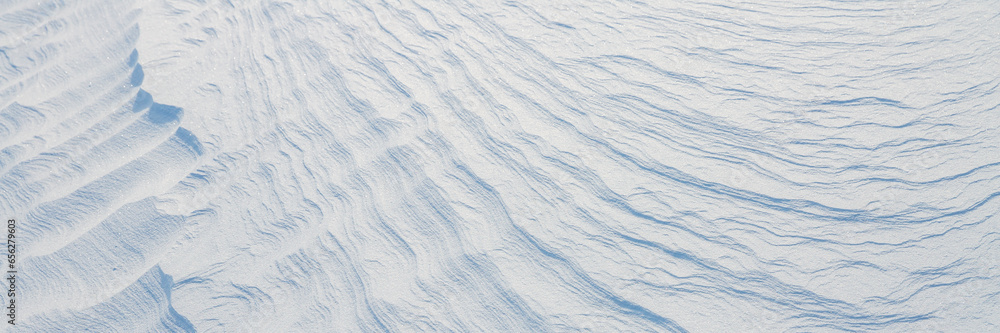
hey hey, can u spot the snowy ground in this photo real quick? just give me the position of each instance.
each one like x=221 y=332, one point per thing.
x=525 y=166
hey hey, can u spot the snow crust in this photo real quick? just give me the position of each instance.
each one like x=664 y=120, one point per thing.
x=502 y=166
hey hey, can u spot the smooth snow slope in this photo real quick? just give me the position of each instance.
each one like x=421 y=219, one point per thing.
x=526 y=166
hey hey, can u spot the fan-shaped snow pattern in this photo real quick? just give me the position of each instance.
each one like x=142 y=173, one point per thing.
x=450 y=165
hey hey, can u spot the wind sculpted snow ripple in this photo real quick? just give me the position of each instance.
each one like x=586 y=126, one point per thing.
x=511 y=166
x=84 y=150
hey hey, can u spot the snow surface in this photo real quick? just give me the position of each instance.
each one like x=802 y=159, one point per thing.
x=524 y=166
